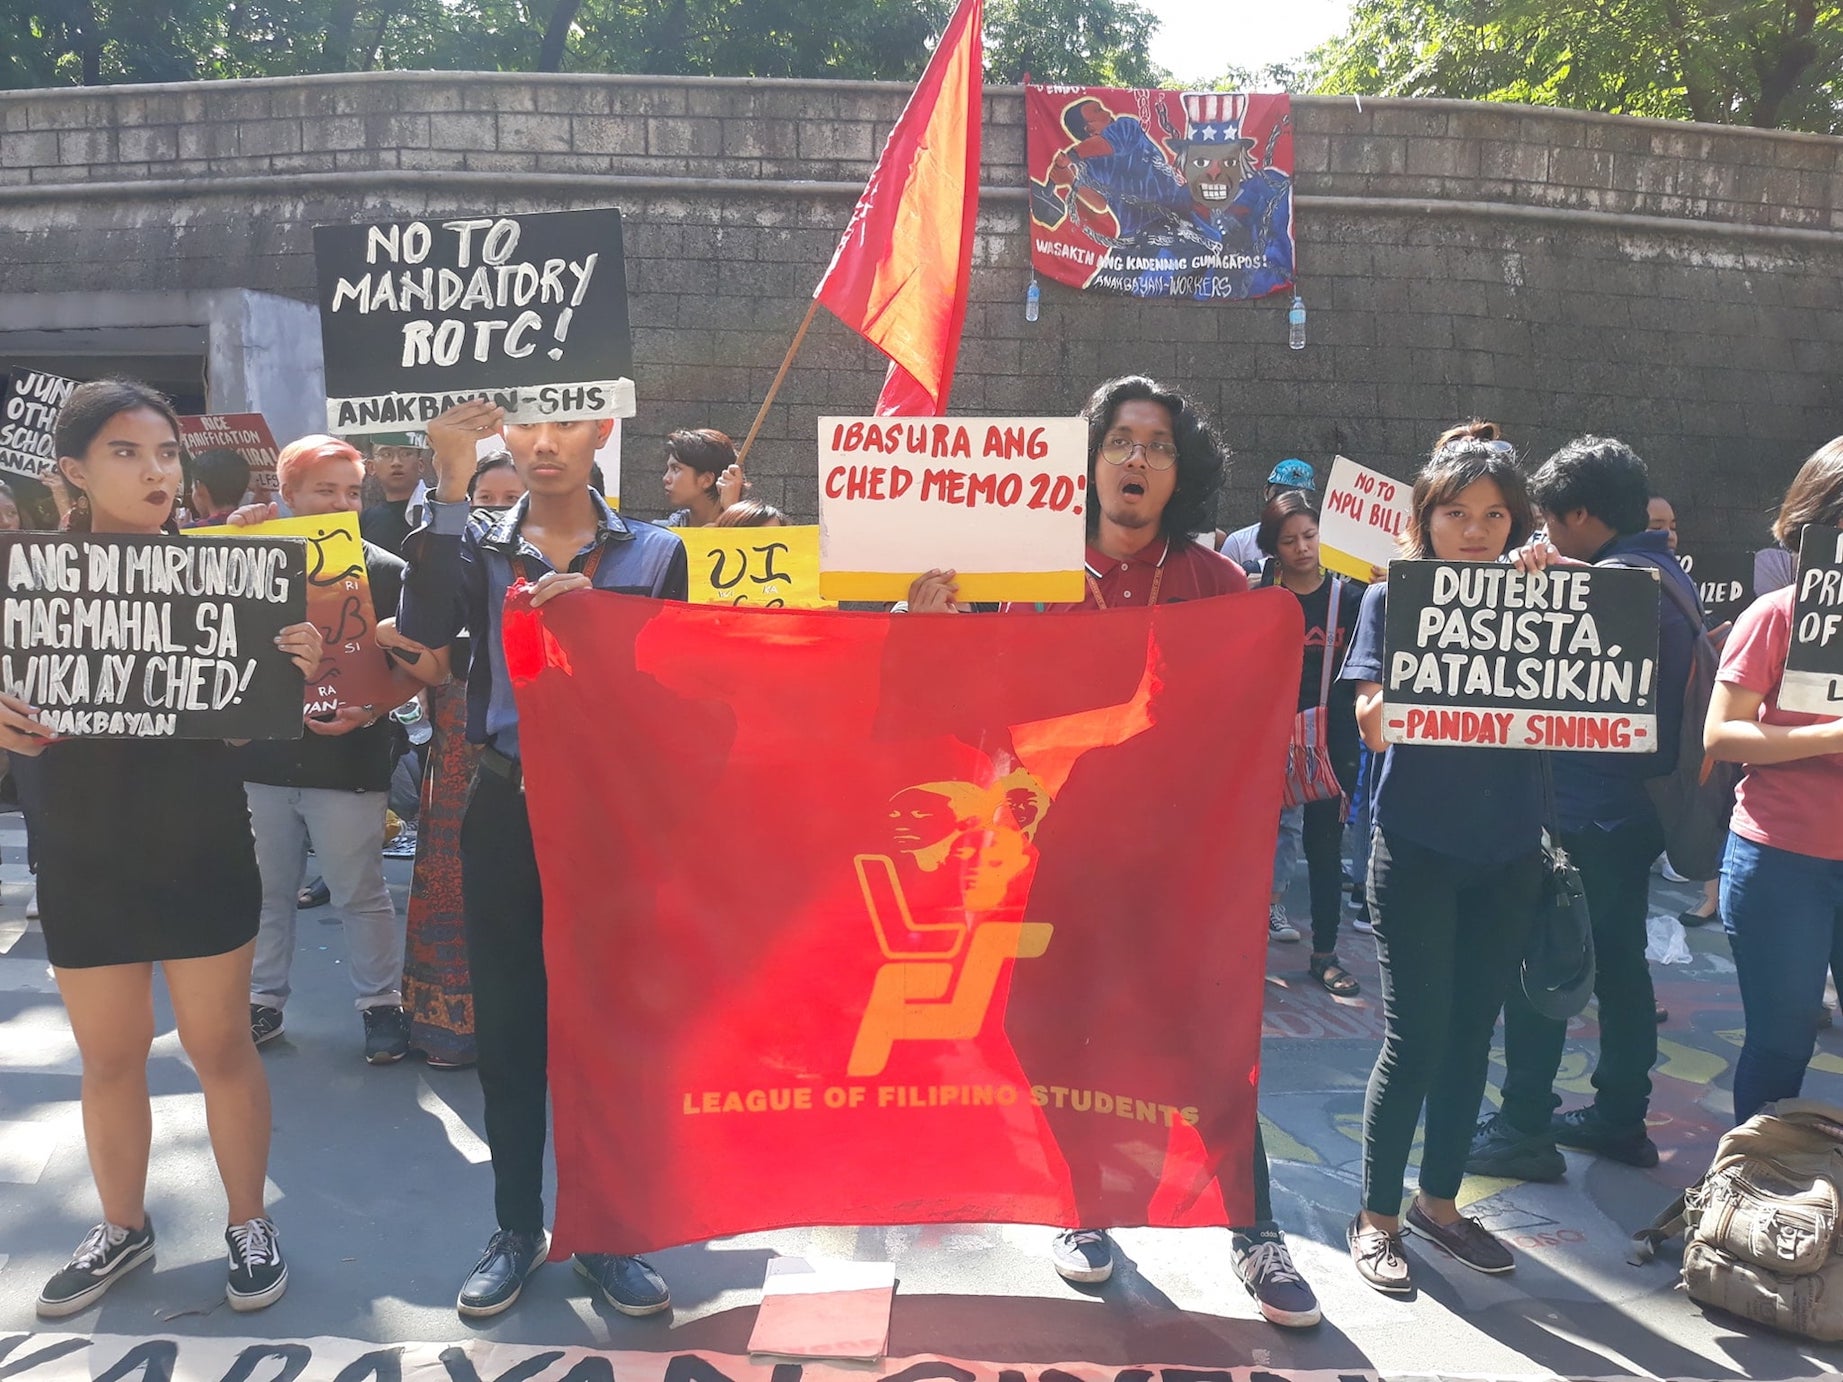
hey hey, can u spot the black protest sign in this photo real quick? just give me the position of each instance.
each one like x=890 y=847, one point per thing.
x=1482 y=654
x=27 y=416
x=1813 y=680
x=530 y=311
x=1724 y=580
x=117 y=637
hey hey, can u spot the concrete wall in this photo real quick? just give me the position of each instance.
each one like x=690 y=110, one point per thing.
x=1678 y=285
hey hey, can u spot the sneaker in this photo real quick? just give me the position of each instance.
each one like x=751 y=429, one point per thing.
x=629 y=1284
x=32 y=904
x=265 y=1023
x=1464 y=1239
x=1083 y=1255
x=402 y=845
x=106 y=1255
x=1503 y=1150
x=1663 y=867
x=500 y=1274
x=1266 y=1269
x=1361 y=922
x=387 y=1035
x=258 y=1276
x=1278 y=927
x=1585 y=1130
x=1378 y=1258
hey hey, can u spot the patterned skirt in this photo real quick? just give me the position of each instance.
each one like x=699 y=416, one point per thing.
x=437 y=991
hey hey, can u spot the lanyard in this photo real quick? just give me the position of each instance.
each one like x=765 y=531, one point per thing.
x=1100 y=602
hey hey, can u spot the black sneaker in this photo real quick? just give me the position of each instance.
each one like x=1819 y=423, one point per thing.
x=629 y=1284
x=1266 y=1269
x=258 y=1276
x=265 y=1023
x=1586 y=1130
x=500 y=1274
x=106 y=1255
x=387 y=1035
x=1083 y=1255
x=1503 y=1150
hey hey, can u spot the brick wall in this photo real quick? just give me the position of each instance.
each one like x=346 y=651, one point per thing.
x=1456 y=258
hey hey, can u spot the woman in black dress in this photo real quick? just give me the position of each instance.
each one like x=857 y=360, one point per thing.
x=145 y=857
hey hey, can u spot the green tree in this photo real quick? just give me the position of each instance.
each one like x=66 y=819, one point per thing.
x=1777 y=64
x=65 y=42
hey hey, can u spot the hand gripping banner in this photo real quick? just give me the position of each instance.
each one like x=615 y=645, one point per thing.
x=887 y=919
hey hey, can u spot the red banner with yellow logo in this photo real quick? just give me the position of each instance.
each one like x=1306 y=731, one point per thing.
x=888 y=919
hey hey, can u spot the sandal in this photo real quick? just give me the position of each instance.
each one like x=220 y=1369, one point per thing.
x=1338 y=981
x=315 y=894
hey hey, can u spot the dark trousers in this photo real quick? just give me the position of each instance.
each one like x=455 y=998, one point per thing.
x=29 y=780
x=1615 y=870
x=1449 y=935
x=1323 y=834
x=503 y=905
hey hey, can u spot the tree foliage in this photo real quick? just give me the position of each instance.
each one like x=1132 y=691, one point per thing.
x=1777 y=64
x=67 y=42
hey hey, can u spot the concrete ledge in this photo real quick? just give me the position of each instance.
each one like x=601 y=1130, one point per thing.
x=583 y=185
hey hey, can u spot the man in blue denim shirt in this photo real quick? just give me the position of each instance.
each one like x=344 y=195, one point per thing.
x=1593 y=494
x=561 y=537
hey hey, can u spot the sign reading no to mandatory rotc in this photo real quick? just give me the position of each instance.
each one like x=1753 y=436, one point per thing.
x=1478 y=653
x=529 y=311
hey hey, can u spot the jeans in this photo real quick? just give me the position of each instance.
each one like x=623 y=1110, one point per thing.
x=1449 y=935
x=503 y=903
x=1783 y=913
x=1615 y=869
x=347 y=830
x=1317 y=823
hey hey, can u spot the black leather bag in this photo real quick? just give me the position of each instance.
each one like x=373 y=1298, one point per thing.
x=1558 y=958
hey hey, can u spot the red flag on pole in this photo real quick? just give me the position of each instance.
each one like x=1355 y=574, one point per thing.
x=881 y=919
x=903 y=267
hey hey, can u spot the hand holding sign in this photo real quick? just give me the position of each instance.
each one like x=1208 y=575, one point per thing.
x=455 y=437
x=21 y=731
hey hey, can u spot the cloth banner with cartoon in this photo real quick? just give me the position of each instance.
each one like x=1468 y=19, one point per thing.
x=892 y=919
x=1161 y=194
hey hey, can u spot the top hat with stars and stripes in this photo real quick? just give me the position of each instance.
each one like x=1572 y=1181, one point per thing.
x=1215 y=118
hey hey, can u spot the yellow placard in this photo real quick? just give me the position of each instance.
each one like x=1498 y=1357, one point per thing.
x=1021 y=587
x=1357 y=568
x=770 y=568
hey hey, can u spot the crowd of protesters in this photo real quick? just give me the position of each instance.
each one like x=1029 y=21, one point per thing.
x=1449 y=843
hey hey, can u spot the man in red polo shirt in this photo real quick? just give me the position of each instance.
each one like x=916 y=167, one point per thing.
x=1154 y=469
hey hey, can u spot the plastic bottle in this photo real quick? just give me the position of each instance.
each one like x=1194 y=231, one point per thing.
x=1295 y=323
x=1032 y=296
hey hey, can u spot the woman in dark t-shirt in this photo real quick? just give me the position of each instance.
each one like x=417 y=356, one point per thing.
x=1455 y=872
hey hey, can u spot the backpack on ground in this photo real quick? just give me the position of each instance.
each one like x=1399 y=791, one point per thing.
x=1693 y=800
x=1760 y=1228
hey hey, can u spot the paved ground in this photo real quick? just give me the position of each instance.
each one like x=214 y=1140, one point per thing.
x=382 y=1190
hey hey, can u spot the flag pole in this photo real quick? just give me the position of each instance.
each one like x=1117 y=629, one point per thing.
x=787 y=360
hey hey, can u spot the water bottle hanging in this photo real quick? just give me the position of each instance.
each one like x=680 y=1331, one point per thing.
x=1032 y=295
x=1295 y=323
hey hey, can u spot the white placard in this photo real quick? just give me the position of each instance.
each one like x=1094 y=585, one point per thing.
x=999 y=500
x=1363 y=513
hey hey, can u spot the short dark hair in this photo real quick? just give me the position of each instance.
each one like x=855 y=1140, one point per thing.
x=1454 y=468
x=1273 y=518
x=1601 y=475
x=1201 y=458
x=704 y=449
x=1071 y=117
x=1815 y=495
x=486 y=465
x=224 y=474
x=749 y=513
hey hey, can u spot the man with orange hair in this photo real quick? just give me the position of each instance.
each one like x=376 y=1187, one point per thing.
x=330 y=786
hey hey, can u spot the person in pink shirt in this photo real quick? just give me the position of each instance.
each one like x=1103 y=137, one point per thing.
x=1782 y=875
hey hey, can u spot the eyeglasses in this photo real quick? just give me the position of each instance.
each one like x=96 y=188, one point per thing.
x=1160 y=455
